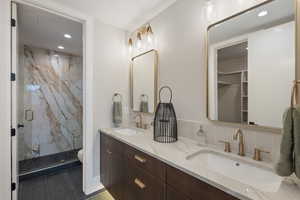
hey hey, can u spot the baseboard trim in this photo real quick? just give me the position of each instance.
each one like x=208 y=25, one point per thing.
x=94 y=187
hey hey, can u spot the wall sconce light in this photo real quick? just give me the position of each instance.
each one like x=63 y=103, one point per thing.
x=141 y=40
x=150 y=35
x=130 y=45
x=138 y=40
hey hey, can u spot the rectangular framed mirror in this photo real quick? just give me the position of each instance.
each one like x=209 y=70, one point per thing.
x=144 y=75
x=251 y=65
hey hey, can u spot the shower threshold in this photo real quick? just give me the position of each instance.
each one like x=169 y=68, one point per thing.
x=47 y=164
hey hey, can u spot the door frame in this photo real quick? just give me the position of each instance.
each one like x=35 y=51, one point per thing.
x=212 y=93
x=90 y=183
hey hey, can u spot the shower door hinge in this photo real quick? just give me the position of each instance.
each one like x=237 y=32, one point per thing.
x=13 y=132
x=12 y=76
x=13 y=186
x=13 y=22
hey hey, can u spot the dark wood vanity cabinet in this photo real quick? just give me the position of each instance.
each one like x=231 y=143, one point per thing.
x=129 y=174
x=140 y=185
x=112 y=168
x=173 y=194
x=193 y=188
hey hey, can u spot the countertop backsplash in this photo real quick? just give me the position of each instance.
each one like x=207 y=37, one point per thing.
x=253 y=139
x=268 y=141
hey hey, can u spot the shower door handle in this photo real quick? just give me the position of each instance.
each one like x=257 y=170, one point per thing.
x=29 y=115
x=20 y=125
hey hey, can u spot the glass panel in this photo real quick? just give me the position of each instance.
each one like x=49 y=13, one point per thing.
x=49 y=90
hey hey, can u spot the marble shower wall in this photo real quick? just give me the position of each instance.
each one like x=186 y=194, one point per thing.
x=52 y=84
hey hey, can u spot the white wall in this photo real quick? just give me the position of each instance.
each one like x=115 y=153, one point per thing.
x=180 y=43
x=270 y=80
x=180 y=32
x=109 y=69
x=5 y=167
x=111 y=75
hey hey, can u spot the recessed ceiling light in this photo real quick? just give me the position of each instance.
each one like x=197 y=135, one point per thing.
x=61 y=47
x=67 y=36
x=263 y=13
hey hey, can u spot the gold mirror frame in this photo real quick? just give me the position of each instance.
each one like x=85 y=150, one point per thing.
x=297 y=45
x=155 y=79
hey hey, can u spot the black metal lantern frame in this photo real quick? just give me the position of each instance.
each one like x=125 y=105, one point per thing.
x=165 y=121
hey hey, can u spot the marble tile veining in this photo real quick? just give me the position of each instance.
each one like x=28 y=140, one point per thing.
x=52 y=87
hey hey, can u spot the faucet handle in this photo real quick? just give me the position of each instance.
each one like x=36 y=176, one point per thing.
x=257 y=154
x=227 y=146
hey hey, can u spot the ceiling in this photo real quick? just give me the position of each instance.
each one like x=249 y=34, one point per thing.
x=279 y=11
x=124 y=14
x=42 y=29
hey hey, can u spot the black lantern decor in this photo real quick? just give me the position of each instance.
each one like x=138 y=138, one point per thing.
x=165 y=121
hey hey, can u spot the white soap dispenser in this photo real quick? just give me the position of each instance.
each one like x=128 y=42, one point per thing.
x=202 y=137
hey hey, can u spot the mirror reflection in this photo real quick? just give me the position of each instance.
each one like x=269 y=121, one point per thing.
x=144 y=82
x=251 y=65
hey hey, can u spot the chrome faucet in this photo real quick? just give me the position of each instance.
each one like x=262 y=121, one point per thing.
x=238 y=135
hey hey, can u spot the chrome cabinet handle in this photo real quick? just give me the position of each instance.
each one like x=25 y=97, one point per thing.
x=29 y=115
x=139 y=183
x=140 y=159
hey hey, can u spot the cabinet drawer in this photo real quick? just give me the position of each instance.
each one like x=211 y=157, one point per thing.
x=146 y=162
x=112 y=145
x=142 y=186
x=194 y=188
x=172 y=194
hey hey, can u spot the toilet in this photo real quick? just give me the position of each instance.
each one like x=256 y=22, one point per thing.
x=80 y=155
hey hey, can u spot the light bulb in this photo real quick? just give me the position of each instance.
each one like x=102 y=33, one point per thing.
x=150 y=38
x=67 y=36
x=139 y=41
x=130 y=44
x=263 y=13
x=139 y=44
x=150 y=34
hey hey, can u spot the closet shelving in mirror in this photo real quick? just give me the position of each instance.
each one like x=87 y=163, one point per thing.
x=223 y=83
x=229 y=73
x=244 y=96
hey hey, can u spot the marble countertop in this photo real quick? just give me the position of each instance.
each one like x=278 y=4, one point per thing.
x=175 y=155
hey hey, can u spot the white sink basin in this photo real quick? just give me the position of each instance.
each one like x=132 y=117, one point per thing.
x=126 y=131
x=257 y=177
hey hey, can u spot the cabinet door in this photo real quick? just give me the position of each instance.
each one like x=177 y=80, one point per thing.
x=117 y=177
x=194 y=188
x=172 y=194
x=142 y=186
x=112 y=166
x=104 y=162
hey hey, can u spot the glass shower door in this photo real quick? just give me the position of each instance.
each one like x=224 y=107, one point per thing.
x=51 y=101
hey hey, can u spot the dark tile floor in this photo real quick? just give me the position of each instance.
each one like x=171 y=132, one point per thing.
x=62 y=185
x=46 y=161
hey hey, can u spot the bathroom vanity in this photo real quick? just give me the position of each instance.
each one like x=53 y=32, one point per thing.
x=134 y=167
x=130 y=174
